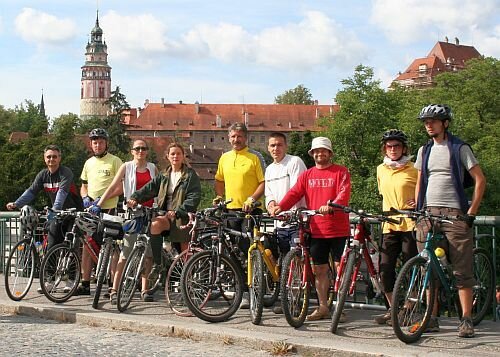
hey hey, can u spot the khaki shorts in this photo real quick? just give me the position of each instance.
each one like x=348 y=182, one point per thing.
x=128 y=245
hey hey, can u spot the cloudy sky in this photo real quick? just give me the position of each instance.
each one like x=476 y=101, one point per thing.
x=226 y=51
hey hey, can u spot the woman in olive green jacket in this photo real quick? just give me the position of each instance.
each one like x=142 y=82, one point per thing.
x=178 y=190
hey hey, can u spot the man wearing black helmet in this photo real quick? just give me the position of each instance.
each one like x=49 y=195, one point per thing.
x=443 y=164
x=396 y=179
x=97 y=174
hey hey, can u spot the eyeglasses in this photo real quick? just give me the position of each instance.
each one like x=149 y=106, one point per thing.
x=51 y=156
x=395 y=146
x=140 y=148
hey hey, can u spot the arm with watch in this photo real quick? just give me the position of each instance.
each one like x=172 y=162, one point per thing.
x=248 y=204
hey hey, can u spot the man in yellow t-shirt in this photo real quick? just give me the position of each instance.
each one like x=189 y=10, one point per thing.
x=240 y=177
x=97 y=174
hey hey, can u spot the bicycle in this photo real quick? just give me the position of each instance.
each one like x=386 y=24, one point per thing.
x=357 y=250
x=111 y=229
x=414 y=291
x=24 y=260
x=263 y=271
x=200 y=240
x=297 y=276
x=130 y=279
x=212 y=280
x=61 y=264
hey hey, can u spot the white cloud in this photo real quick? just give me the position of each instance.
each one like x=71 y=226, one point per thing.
x=42 y=28
x=487 y=44
x=315 y=41
x=407 y=21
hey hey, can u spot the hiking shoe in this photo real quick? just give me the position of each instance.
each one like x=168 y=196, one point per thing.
x=433 y=325
x=155 y=271
x=466 y=328
x=382 y=319
x=278 y=310
x=245 y=302
x=318 y=315
x=147 y=297
x=82 y=290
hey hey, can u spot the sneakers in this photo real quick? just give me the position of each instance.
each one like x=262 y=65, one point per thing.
x=278 y=310
x=433 y=325
x=318 y=315
x=245 y=302
x=466 y=328
x=50 y=286
x=82 y=290
x=146 y=297
x=382 y=319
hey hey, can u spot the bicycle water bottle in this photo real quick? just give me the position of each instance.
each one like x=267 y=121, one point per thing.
x=441 y=255
x=39 y=247
x=270 y=255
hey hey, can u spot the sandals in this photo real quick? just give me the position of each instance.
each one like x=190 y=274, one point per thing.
x=112 y=297
x=146 y=296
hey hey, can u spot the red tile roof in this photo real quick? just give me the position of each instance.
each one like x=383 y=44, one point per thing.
x=216 y=117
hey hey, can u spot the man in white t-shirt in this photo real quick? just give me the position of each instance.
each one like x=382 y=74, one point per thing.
x=280 y=176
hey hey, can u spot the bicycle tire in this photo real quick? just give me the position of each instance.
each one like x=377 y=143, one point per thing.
x=346 y=279
x=410 y=314
x=211 y=297
x=272 y=288
x=60 y=264
x=294 y=292
x=331 y=279
x=20 y=270
x=482 y=291
x=173 y=292
x=257 y=289
x=130 y=278
x=102 y=270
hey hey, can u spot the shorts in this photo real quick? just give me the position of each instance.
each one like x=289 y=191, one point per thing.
x=320 y=249
x=128 y=245
x=459 y=244
x=286 y=237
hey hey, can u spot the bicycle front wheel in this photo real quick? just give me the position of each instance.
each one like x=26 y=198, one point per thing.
x=130 y=279
x=173 y=284
x=412 y=300
x=60 y=273
x=345 y=284
x=257 y=289
x=483 y=289
x=211 y=291
x=20 y=270
x=294 y=291
x=102 y=270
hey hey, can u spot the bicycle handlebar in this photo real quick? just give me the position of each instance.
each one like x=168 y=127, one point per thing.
x=363 y=214
x=426 y=214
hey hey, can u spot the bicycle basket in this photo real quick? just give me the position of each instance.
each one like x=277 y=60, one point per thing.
x=87 y=222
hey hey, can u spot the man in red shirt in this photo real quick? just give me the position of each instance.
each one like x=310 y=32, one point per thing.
x=325 y=181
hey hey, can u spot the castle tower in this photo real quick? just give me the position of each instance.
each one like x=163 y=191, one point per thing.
x=96 y=76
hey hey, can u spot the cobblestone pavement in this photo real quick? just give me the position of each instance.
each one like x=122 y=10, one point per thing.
x=32 y=336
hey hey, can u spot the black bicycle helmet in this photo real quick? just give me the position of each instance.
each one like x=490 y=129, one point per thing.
x=436 y=111
x=395 y=134
x=98 y=133
x=87 y=222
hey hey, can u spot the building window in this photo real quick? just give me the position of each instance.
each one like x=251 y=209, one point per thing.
x=101 y=92
x=81 y=94
x=212 y=140
x=252 y=138
x=262 y=139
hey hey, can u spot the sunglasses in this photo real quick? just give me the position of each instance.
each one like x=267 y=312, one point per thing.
x=51 y=156
x=140 y=148
x=389 y=146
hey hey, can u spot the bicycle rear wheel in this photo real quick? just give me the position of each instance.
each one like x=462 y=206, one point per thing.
x=257 y=289
x=173 y=284
x=412 y=300
x=130 y=279
x=20 y=270
x=212 y=292
x=483 y=289
x=60 y=273
x=102 y=270
x=345 y=284
x=294 y=292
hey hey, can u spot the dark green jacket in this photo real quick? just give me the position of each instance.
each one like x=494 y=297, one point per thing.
x=186 y=196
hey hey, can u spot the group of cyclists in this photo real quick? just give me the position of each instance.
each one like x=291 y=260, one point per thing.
x=435 y=182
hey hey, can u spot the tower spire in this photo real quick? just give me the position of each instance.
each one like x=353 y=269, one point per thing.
x=42 y=106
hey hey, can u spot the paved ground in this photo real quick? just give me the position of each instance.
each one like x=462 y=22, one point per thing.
x=360 y=336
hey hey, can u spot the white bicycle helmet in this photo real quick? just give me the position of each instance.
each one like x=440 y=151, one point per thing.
x=87 y=223
x=28 y=218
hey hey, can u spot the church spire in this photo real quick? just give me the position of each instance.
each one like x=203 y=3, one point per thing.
x=41 y=107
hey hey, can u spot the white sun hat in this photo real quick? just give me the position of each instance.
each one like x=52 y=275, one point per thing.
x=320 y=143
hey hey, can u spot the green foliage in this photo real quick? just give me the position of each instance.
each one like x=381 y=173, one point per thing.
x=297 y=95
x=29 y=119
x=299 y=146
x=207 y=194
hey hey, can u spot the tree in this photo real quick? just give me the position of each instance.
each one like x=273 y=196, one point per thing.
x=300 y=146
x=119 y=142
x=29 y=119
x=298 y=95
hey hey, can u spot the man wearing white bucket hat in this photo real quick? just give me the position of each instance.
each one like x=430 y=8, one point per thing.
x=325 y=181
